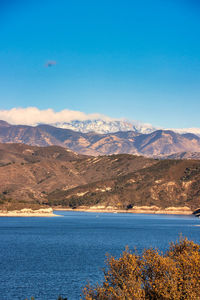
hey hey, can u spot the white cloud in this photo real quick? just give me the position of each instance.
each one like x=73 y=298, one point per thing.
x=33 y=116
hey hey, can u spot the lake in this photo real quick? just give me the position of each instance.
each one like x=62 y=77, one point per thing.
x=47 y=257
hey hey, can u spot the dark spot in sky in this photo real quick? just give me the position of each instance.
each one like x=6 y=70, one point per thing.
x=50 y=63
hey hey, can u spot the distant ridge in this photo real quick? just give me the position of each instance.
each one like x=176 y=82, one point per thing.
x=184 y=155
x=4 y=124
x=103 y=126
x=158 y=143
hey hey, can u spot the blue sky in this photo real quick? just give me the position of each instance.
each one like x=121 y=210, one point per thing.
x=138 y=60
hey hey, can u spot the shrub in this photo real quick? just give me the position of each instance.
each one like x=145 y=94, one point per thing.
x=174 y=275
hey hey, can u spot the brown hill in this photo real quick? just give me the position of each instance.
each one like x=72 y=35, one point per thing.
x=166 y=183
x=29 y=173
x=159 y=143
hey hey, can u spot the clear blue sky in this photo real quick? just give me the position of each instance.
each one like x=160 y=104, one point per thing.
x=123 y=58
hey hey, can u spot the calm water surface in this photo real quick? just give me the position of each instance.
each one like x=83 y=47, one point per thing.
x=47 y=257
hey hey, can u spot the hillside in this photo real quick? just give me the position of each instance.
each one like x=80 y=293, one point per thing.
x=56 y=176
x=29 y=173
x=166 y=183
x=158 y=143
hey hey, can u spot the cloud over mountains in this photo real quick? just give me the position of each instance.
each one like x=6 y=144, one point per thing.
x=80 y=121
x=33 y=116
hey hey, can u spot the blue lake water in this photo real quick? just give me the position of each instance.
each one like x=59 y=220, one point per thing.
x=47 y=257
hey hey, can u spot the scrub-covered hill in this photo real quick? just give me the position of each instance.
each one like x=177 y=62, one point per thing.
x=28 y=174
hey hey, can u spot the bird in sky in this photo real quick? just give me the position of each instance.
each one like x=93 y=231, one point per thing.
x=50 y=63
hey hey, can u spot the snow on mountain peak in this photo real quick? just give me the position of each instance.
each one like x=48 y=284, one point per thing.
x=105 y=126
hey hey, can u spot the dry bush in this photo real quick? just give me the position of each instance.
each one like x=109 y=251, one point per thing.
x=174 y=275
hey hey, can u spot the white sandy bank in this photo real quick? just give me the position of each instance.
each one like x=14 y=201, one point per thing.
x=28 y=212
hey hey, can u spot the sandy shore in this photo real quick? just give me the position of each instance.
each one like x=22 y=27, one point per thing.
x=135 y=210
x=26 y=212
x=48 y=212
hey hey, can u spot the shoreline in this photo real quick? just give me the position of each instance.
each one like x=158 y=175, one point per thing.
x=27 y=212
x=135 y=210
x=51 y=212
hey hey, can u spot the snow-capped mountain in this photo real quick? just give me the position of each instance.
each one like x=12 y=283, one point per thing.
x=109 y=126
x=195 y=131
x=81 y=122
x=104 y=126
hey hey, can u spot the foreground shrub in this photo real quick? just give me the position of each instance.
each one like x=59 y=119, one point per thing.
x=174 y=275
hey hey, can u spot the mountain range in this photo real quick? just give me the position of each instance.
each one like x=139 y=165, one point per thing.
x=110 y=126
x=105 y=126
x=159 y=143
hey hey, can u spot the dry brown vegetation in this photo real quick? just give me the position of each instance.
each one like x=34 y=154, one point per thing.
x=55 y=176
x=166 y=183
x=29 y=174
x=174 y=275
